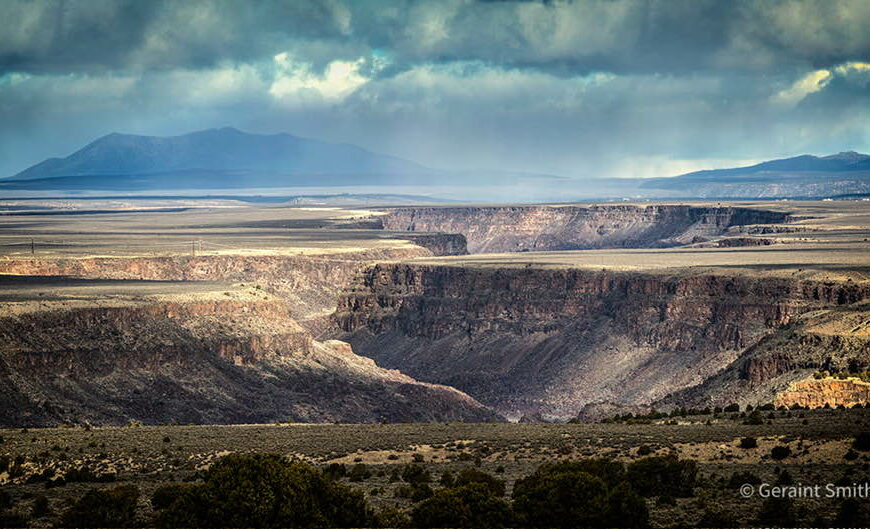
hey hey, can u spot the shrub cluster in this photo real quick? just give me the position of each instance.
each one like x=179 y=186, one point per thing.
x=271 y=491
x=260 y=491
x=586 y=493
x=104 y=508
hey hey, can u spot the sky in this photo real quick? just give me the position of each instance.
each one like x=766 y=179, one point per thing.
x=587 y=89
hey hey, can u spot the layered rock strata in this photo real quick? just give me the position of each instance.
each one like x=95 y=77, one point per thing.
x=538 y=228
x=197 y=361
x=531 y=340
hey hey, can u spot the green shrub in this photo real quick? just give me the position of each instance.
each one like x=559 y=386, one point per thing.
x=754 y=418
x=40 y=507
x=415 y=474
x=420 y=492
x=862 y=442
x=611 y=472
x=416 y=492
x=785 y=478
x=780 y=452
x=104 y=508
x=748 y=442
x=12 y=519
x=585 y=493
x=670 y=501
x=446 y=479
x=625 y=508
x=6 y=501
x=776 y=512
x=644 y=450
x=663 y=475
x=403 y=491
x=740 y=478
x=359 y=472
x=560 y=499
x=166 y=495
x=335 y=470
x=392 y=517
x=260 y=491
x=851 y=514
x=468 y=506
x=471 y=475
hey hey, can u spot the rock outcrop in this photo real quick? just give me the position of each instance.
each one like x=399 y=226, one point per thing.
x=819 y=393
x=836 y=340
x=198 y=360
x=538 y=228
x=310 y=284
x=531 y=340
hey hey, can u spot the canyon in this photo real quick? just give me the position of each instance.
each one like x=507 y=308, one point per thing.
x=204 y=354
x=471 y=313
x=550 y=341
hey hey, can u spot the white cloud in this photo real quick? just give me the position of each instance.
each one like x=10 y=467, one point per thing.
x=295 y=82
x=810 y=83
x=816 y=81
x=853 y=66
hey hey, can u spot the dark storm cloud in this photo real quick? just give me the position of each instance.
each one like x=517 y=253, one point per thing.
x=562 y=37
x=95 y=35
x=587 y=88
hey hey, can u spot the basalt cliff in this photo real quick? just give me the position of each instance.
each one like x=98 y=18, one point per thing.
x=224 y=357
x=220 y=339
x=537 y=228
x=527 y=340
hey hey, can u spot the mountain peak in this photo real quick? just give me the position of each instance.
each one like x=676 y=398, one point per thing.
x=847 y=156
x=225 y=156
x=225 y=130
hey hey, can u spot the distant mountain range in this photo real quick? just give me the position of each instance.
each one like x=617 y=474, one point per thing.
x=228 y=158
x=214 y=159
x=806 y=176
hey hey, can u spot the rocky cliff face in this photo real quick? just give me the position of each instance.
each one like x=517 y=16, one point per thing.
x=530 y=340
x=310 y=284
x=818 y=393
x=835 y=339
x=199 y=361
x=538 y=228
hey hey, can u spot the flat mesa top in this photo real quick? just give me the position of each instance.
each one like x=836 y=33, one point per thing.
x=830 y=241
x=824 y=262
x=129 y=228
x=827 y=241
x=27 y=294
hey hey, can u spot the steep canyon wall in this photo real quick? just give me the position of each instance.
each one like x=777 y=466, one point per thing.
x=532 y=340
x=199 y=362
x=539 y=228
